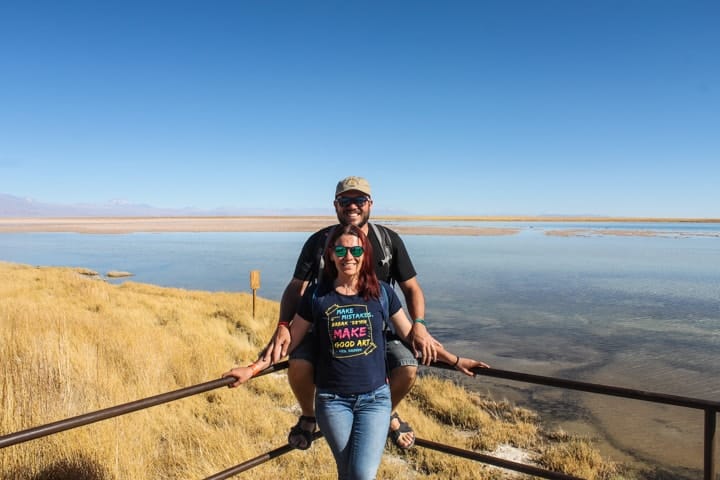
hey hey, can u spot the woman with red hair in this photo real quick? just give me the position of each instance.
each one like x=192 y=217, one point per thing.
x=348 y=310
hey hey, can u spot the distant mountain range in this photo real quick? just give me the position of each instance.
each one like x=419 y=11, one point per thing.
x=13 y=206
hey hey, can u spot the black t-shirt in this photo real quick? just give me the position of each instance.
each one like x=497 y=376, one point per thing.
x=399 y=270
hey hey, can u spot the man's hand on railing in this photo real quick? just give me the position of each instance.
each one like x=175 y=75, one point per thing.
x=277 y=349
x=424 y=345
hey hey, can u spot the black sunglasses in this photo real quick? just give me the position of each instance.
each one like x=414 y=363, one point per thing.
x=359 y=201
x=355 y=251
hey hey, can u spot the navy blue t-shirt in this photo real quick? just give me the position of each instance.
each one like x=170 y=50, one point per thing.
x=349 y=338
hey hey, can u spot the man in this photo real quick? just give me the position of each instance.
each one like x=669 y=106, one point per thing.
x=353 y=203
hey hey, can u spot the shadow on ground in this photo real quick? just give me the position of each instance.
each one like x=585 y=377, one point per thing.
x=74 y=469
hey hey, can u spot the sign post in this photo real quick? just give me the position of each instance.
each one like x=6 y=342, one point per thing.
x=254 y=285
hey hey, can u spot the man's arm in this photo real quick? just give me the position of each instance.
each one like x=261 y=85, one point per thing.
x=290 y=299
x=278 y=346
x=414 y=297
x=422 y=342
x=465 y=365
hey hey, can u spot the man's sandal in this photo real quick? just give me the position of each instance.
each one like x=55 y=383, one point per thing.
x=396 y=434
x=299 y=437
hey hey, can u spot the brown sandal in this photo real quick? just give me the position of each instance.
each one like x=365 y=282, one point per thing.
x=404 y=428
x=299 y=437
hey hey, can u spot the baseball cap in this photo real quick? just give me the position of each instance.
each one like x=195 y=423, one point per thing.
x=353 y=183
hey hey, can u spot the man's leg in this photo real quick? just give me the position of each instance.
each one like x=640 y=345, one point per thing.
x=403 y=371
x=401 y=381
x=300 y=377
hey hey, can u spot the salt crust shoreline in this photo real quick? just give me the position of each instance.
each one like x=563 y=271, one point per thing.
x=120 y=225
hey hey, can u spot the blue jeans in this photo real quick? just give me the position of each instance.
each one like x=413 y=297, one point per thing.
x=355 y=427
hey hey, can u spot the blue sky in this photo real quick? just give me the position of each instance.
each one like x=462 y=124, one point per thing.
x=460 y=107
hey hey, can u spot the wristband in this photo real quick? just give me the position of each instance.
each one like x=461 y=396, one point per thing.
x=420 y=320
x=284 y=324
x=254 y=367
x=456 y=361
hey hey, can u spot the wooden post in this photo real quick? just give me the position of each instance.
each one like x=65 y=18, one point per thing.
x=254 y=285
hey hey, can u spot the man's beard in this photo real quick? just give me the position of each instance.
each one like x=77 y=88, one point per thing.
x=364 y=217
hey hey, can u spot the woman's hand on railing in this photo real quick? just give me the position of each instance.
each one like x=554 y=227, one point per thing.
x=466 y=365
x=243 y=374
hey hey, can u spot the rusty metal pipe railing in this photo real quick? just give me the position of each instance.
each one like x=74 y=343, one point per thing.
x=623 y=392
x=254 y=462
x=711 y=408
x=468 y=454
x=498 y=462
x=92 y=417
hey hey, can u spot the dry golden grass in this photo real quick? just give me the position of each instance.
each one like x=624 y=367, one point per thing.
x=575 y=457
x=72 y=344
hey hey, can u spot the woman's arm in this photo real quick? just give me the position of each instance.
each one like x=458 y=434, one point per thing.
x=298 y=329
x=402 y=324
x=243 y=374
x=403 y=327
x=465 y=365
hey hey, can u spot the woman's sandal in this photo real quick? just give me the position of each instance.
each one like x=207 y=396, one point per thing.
x=299 y=437
x=404 y=428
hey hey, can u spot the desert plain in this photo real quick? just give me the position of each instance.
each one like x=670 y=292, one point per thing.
x=409 y=225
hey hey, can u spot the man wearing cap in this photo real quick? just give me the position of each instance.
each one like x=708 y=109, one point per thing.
x=353 y=203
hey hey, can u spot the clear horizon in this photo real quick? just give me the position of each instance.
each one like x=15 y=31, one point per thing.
x=490 y=108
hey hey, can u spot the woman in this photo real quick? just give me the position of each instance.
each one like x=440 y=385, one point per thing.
x=348 y=310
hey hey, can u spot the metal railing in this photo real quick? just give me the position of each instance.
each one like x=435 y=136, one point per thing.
x=125 y=408
x=710 y=408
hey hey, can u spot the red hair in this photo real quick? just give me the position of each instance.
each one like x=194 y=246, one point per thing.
x=368 y=285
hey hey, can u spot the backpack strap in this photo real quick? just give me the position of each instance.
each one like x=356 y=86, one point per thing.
x=384 y=302
x=314 y=303
x=385 y=243
x=322 y=246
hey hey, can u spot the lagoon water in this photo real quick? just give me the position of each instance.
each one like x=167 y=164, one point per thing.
x=634 y=311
